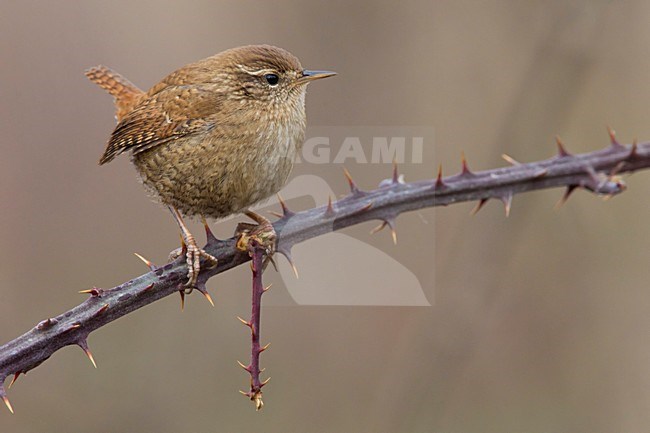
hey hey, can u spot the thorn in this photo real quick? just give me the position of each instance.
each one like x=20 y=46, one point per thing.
x=149 y=287
x=395 y=173
x=275 y=214
x=634 y=151
x=565 y=197
x=285 y=210
x=262 y=349
x=6 y=400
x=509 y=159
x=393 y=232
x=95 y=292
x=245 y=367
x=439 y=183
x=73 y=326
x=478 y=206
x=84 y=346
x=272 y=260
x=245 y=322
x=612 y=137
x=266 y=288
x=561 y=151
x=207 y=296
x=265 y=382
x=330 y=209
x=387 y=222
x=182 y=293
x=507 y=203
x=365 y=208
x=243 y=393
x=541 y=173
x=102 y=310
x=150 y=265
x=210 y=237
x=353 y=186
x=379 y=228
x=465 y=171
x=14 y=379
x=287 y=255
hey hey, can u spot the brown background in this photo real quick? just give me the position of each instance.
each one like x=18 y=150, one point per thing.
x=540 y=321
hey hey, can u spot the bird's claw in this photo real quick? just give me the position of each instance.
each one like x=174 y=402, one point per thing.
x=193 y=255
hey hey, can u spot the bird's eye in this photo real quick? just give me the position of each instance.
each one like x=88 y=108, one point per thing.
x=272 y=79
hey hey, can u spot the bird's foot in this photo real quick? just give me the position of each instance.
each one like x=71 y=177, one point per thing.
x=193 y=255
x=263 y=233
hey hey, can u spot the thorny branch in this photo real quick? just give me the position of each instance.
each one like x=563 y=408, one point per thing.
x=594 y=171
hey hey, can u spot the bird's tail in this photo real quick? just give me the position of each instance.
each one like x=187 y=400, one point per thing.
x=126 y=94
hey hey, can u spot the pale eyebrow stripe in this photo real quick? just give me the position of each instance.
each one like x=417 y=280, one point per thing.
x=258 y=72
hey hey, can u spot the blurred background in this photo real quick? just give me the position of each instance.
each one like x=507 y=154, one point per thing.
x=539 y=322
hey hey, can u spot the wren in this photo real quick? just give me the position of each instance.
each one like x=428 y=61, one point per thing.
x=214 y=137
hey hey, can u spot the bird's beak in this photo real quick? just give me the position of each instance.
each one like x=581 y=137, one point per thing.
x=308 y=75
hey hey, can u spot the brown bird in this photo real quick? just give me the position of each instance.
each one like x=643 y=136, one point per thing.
x=214 y=137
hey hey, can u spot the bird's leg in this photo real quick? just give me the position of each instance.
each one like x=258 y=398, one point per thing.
x=193 y=253
x=263 y=233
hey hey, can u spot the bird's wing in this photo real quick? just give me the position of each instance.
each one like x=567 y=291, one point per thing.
x=167 y=115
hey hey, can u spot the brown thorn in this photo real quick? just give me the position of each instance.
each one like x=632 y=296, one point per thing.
x=380 y=227
x=150 y=265
x=245 y=322
x=565 y=196
x=102 y=310
x=561 y=150
x=395 y=173
x=285 y=209
x=275 y=214
x=439 y=183
x=243 y=393
x=509 y=159
x=478 y=206
x=84 y=346
x=182 y=293
x=633 y=151
x=149 y=287
x=265 y=382
x=7 y=403
x=267 y=288
x=95 y=292
x=330 y=209
x=366 y=207
x=262 y=349
x=541 y=173
x=612 y=137
x=245 y=367
x=13 y=380
x=353 y=186
x=507 y=203
x=208 y=232
x=287 y=255
x=207 y=296
x=465 y=171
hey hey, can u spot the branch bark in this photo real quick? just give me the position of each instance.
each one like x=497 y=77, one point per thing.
x=592 y=171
